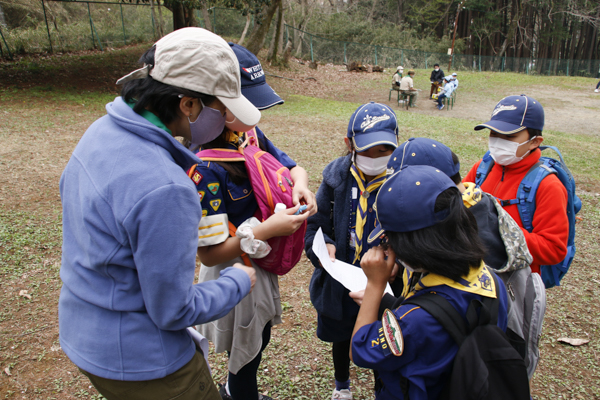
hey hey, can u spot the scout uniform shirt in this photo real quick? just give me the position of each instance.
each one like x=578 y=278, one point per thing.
x=421 y=352
x=220 y=196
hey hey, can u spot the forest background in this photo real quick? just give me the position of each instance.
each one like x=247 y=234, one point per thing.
x=559 y=30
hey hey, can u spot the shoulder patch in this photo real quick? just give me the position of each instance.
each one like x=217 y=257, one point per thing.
x=213 y=187
x=392 y=332
x=201 y=194
x=215 y=204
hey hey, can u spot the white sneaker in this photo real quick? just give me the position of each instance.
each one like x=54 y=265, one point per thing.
x=597 y=90
x=343 y=394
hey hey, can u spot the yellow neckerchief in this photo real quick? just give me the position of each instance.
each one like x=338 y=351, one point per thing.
x=479 y=281
x=234 y=137
x=472 y=195
x=361 y=213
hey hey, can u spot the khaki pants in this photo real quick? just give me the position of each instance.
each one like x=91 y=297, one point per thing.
x=412 y=96
x=191 y=382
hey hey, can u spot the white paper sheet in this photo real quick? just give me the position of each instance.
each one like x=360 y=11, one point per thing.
x=353 y=278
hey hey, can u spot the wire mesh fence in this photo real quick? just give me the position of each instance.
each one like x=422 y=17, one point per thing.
x=323 y=50
x=95 y=24
x=77 y=25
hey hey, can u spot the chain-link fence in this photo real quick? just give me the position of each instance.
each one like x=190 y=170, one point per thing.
x=315 y=48
x=82 y=25
x=77 y=25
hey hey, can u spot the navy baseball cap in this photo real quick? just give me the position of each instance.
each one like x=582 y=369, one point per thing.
x=423 y=151
x=515 y=113
x=373 y=124
x=254 y=84
x=406 y=200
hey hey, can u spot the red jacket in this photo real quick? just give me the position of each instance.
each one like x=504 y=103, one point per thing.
x=548 y=241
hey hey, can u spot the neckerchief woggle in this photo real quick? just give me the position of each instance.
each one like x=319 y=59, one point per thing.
x=361 y=214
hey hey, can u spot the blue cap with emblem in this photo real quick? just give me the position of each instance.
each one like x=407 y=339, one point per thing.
x=254 y=84
x=515 y=113
x=373 y=124
x=423 y=151
x=406 y=200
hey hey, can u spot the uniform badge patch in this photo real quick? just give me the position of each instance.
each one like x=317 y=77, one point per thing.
x=204 y=213
x=196 y=177
x=213 y=187
x=201 y=194
x=215 y=204
x=392 y=332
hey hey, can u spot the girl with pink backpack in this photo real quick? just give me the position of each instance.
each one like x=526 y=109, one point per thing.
x=229 y=234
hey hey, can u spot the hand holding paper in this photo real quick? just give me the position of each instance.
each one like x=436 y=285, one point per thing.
x=353 y=278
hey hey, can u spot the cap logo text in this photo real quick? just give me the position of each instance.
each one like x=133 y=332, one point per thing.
x=503 y=108
x=255 y=71
x=370 y=122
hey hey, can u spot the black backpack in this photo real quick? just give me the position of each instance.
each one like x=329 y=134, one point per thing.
x=486 y=366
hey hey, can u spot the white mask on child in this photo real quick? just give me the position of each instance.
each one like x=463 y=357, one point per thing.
x=504 y=152
x=371 y=166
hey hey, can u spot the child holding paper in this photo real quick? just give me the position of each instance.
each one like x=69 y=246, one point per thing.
x=345 y=213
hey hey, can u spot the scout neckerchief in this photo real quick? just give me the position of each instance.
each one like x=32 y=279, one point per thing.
x=471 y=195
x=479 y=281
x=361 y=214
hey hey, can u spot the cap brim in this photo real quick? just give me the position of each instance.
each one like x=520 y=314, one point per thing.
x=242 y=109
x=375 y=233
x=262 y=96
x=501 y=127
x=366 y=141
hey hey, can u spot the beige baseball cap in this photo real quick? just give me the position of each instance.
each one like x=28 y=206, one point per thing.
x=199 y=60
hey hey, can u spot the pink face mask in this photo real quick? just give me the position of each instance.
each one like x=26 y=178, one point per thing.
x=208 y=126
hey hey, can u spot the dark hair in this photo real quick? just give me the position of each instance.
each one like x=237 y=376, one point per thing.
x=449 y=248
x=436 y=65
x=456 y=178
x=534 y=132
x=236 y=169
x=162 y=99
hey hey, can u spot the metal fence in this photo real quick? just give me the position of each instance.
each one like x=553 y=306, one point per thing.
x=315 y=48
x=108 y=24
x=82 y=25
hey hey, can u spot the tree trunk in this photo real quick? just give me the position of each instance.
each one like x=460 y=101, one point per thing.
x=157 y=33
x=241 y=41
x=261 y=27
x=178 y=17
x=206 y=16
x=516 y=14
x=161 y=23
x=274 y=47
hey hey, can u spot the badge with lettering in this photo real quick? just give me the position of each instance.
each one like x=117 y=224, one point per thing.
x=215 y=204
x=392 y=333
x=213 y=187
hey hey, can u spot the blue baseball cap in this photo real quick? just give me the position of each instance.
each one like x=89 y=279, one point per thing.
x=406 y=200
x=423 y=151
x=515 y=113
x=254 y=84
x=373 y=124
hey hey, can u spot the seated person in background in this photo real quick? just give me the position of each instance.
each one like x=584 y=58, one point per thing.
x=428 y=230
x=397 y=78
x=446 y=92
x=436 y=78
x=454 y=80
x=407 y=88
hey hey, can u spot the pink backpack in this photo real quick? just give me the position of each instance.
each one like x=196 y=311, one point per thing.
x=272 y=184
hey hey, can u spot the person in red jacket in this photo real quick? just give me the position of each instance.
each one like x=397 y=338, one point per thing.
x=515 y=135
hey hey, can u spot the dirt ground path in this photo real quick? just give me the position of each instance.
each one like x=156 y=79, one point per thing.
x=567 y=110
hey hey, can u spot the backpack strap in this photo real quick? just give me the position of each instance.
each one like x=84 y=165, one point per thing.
x=232 y=230
x=484 y=168
x=443 y=312
x=451 y=320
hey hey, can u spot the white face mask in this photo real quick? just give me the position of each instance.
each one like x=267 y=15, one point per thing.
x=437 y=69
x=371 y=166
x=504 y=152
x=408 y=267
